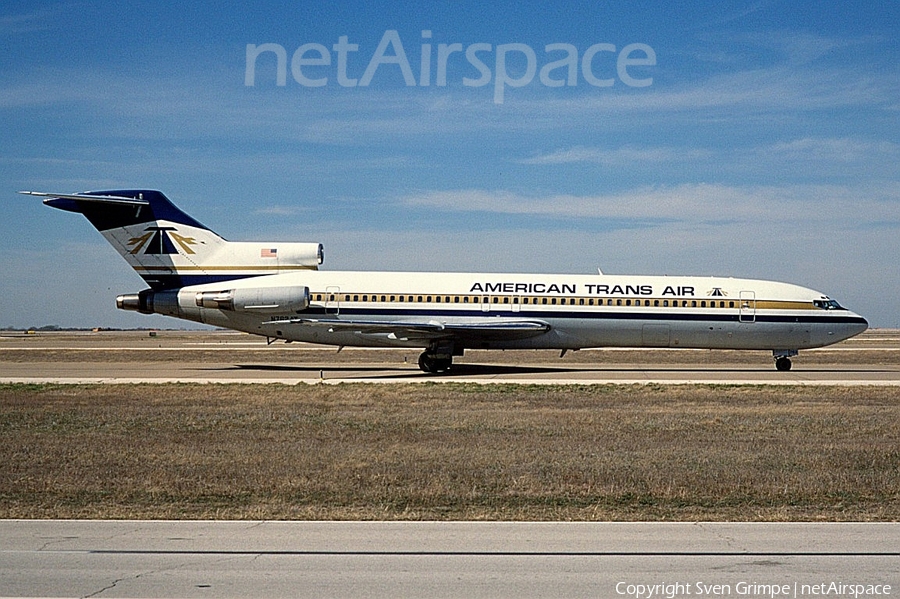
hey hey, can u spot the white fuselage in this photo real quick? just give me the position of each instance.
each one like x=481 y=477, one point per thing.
x=581 y=310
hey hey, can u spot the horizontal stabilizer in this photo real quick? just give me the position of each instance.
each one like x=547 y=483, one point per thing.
x=88 y=197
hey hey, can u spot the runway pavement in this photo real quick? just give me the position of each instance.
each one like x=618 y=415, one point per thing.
x=225 y=357
x=204 y=372
x=447 y=559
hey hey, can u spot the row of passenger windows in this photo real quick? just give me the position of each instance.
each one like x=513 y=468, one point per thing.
x=498 y=299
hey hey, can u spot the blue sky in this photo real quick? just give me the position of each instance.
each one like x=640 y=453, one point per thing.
x=762 y=140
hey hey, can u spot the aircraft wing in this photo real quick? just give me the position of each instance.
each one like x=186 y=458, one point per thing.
x=482 y=328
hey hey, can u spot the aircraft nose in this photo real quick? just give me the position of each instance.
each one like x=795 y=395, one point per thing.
x=849 y=327
x=855 y=325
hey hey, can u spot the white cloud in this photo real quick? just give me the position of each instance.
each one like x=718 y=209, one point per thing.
x=41 y=19
x=279 y=210
x=838 y=150
x=625 y=155
x=687 y=202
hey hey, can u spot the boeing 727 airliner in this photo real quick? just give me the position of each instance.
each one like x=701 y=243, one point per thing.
x=277 y=290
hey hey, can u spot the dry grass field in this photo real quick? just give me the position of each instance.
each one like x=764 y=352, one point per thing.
x=449 y=452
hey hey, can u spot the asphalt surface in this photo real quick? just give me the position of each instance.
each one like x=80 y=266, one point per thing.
x=447 y=559
x=225 y=357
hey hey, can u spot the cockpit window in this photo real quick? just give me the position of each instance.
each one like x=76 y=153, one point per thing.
x=827 y=304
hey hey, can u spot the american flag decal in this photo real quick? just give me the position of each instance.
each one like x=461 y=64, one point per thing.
x=268 y=253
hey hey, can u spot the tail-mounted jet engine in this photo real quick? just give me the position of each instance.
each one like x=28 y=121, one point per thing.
x=258 y=299
x=183 y=303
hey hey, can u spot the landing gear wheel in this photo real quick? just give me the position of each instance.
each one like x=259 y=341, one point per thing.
x=783 y=364
x=433 y=365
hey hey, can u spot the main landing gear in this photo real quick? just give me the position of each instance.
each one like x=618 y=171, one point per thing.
x=438 y=358
x=433 y=364
x=783 y=358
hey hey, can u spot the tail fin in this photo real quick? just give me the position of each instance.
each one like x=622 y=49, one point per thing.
x=169 y=248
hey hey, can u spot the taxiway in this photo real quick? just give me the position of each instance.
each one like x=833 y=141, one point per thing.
x=441 y=559
x=225 y=357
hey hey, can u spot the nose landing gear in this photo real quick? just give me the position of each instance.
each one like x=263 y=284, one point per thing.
x=783 y=358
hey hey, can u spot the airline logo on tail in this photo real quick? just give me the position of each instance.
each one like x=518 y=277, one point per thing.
x=159 y=240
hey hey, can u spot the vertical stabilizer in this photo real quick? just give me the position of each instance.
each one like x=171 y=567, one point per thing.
x=169 y=248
